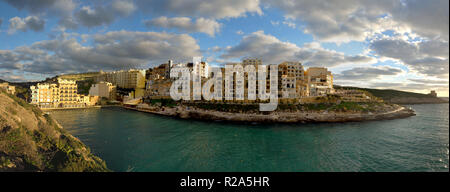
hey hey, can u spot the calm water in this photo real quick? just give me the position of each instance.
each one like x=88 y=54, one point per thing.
x=134 y=141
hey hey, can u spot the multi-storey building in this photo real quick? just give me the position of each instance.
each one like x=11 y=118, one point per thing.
x=320 y=81
x=103 y=90
x=68 y=93
x=291 y=80
x=130 y=79
x=45 y=95
x=61 y=95
x=201 y=68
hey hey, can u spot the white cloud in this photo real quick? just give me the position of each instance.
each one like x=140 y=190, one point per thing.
x=105 y=14
x=216 y=9
x=186 y=24
x=113 y=50
x=273 y=51
x=290 y=24
x=367 y=73
x=347 y=20
x=123 y=7
x=33 y=23
x=427 y=57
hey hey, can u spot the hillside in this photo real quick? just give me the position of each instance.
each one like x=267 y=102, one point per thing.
x=84 y=83
x=398 y=97
x=32 y=141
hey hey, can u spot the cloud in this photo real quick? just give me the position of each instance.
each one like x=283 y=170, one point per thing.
x=186 y=24
x=348 y=20
x=123 y=7
x=367 y=73
x=33 y=23
x=414 y=87
x=215 y=9
x=104 y=15
x=8 y=75
x=426 y=57
x=58 y=7
x=290 y=24
x=111 y=51
x=273 y=51
x=429 y=81
x=94 y=17
x=427 y=18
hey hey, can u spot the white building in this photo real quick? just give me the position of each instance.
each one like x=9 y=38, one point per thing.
x=103 y=89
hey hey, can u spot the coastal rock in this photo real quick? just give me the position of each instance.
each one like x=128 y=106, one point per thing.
x=384 y=113
x=36 y=142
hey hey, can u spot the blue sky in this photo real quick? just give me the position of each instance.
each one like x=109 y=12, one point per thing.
x=391 y=44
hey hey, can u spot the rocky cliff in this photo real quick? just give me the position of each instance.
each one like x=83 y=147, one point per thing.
x=32 y=141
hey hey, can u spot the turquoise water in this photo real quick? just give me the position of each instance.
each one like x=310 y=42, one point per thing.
x=135 y=141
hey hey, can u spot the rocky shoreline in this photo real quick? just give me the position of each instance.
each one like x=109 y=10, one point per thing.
x=276 y=116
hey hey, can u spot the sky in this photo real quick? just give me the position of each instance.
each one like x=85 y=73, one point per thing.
x=386 y=44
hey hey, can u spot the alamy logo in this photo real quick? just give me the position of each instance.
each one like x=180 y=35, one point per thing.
x=227 y=85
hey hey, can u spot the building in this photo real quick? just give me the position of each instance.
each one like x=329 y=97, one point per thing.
x=68 y=94
x=320 y=81
x=291 y=80
x=61 y=95
x=433 y=93
x=45 y=95
x=201 y=68
x=130 y=79
x=103 y=90
x=8 y=88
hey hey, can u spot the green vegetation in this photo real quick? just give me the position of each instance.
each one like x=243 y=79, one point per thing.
x=84 y=86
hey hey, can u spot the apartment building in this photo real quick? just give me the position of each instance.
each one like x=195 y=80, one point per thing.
x=68 y=94
x=320 y=81
x=201 y=68
x=129 y=79
x=62 y=94
x=45 y=95
x=291 y=80
x=103 y=90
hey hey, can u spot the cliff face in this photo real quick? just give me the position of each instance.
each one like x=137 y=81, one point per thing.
x=32 y=141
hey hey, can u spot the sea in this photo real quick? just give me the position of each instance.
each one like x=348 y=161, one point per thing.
x=131 y=141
